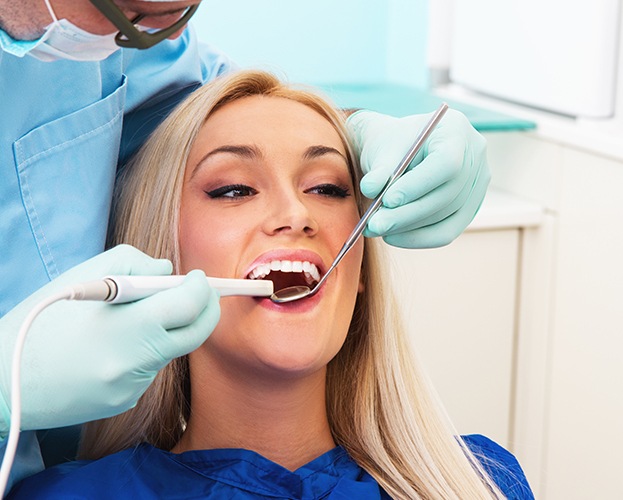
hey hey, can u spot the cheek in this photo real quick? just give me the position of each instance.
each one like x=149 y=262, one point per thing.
x=338 y=222
x=352 y=266
x=207 y=242
x=194 y=250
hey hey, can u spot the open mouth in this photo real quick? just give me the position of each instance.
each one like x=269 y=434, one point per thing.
x=286 y=273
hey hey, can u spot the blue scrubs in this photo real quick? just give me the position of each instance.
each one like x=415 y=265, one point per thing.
x=64 y=128
x=62 y=125
x=146 y=472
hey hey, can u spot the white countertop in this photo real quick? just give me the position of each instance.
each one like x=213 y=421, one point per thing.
x=502 y=210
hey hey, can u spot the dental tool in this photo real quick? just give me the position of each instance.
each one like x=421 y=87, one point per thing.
x=298 y=292
x=123 y=289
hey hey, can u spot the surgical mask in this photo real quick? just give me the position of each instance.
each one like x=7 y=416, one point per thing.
x=62 y=40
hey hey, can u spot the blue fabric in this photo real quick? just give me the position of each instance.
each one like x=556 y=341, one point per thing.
x=501 y=466
x=146 y=472
x=62 y=127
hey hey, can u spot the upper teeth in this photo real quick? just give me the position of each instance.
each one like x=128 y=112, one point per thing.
x=286 y=266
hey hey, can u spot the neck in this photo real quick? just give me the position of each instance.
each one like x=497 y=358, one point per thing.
x=284 y=420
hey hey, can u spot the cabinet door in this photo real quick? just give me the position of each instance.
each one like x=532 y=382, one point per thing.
x=583 y=449
x=459 y=305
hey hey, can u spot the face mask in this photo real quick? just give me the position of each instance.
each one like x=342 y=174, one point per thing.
x=62 y=40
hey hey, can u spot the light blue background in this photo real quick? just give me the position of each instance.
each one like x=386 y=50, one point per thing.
x=323 y=41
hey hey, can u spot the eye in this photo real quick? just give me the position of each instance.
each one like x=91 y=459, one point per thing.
x=232 y=191
x=330 y=190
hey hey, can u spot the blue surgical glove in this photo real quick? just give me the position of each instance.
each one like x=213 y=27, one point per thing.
x=87 y=360
x=439 y=195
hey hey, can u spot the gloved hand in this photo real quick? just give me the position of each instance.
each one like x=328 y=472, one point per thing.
x=439 y=195
x=85 y=360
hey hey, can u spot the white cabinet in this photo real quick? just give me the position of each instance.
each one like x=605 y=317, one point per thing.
x=460 y=306
x=531 y=52
x=569 y=392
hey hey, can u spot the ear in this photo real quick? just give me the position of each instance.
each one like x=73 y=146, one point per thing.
x=361 y=288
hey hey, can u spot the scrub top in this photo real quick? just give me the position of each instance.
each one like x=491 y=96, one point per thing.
x=146 y=472
x=64 y=127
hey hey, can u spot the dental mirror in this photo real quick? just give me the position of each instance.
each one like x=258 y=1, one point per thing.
x=293 y=293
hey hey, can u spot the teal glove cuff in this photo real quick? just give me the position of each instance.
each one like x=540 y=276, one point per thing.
x=6 y=364
x=5 y=420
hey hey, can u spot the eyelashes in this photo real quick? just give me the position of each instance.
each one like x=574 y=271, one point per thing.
x=232 y=191
x=237 y=191
x=330 y=190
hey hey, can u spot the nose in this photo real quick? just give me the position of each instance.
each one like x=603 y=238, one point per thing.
x=289 y=215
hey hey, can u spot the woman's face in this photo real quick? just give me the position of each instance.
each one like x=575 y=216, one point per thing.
x=268 y=194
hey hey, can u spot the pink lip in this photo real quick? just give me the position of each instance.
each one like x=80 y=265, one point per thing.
x=287 y=254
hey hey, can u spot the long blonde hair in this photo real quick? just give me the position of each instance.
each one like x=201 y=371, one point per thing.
x=381 y=409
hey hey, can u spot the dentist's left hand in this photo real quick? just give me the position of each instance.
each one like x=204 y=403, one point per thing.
x=87 y=360
x=443 y=188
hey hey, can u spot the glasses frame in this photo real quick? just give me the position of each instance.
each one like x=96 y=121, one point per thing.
x=132 y=38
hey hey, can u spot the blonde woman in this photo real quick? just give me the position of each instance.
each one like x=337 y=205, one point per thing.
x=320 y=398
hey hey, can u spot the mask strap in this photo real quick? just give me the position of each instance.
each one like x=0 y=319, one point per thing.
x=51 y=11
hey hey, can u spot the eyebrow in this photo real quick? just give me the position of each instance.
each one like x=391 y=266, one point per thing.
x=243 y=151
x=252 y=152
x=313 y=152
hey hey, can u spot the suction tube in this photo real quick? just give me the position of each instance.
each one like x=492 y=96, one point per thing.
x=122 y=289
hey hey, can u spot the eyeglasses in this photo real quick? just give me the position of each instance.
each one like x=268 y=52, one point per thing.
x=130 y=36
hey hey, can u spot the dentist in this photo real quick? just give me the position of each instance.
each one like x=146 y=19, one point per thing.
x=76 y=100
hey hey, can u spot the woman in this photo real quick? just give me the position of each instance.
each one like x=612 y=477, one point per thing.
x=319 y=398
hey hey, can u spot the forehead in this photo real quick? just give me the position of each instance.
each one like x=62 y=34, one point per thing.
x=270 y=119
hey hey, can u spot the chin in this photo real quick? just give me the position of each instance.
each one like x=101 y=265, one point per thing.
x=293 y=363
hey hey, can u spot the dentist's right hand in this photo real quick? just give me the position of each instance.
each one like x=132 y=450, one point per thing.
x=86 y=360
